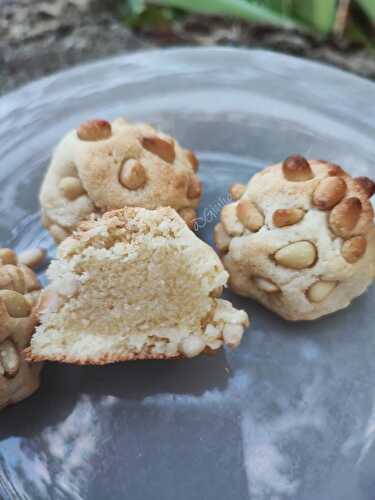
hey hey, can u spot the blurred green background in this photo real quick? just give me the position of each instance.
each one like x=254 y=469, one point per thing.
x=352 y=19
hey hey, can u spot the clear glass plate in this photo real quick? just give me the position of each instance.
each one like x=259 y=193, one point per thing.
x=291 y=413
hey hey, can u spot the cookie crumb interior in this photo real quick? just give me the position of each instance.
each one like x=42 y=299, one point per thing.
x=135 y=284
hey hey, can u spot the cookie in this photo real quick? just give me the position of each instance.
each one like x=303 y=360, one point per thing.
x=19 y=288
x=134 y=284
x=103 y=166
x=300 y=238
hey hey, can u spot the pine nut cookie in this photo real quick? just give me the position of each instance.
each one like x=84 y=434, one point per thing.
x=19 y=287
x=103 y=166
x=134 y=284
x=300 y=238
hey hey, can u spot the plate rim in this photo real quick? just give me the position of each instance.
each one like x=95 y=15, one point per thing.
x=140 y=55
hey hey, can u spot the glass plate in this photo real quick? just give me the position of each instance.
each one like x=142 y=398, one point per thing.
x=291 y=413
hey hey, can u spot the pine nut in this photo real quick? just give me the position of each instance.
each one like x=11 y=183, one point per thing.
x=297 y=255
x=249 y=215
x=329 y=192
x=287 y=216
x=71 y=187
x=353 y=249
x=160 y=147
x=132 y=174
x=320 y=290
x=32 y=258
x=7 y=256
x=94 y=130
x=191 y=346
x=297 y=169
x=15 y=303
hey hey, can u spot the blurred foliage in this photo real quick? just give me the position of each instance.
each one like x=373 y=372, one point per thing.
x=353 y=19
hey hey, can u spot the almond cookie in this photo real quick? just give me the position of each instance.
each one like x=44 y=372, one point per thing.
x=104 y=166
x=300 y=238
x=134 y=284
x=19 y=287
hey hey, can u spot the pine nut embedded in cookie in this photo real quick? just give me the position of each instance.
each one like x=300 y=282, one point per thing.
x=7 y=256
x=236 y=191
x=329 y=192
x=32 y=258
x=217 y=292
x=320 y=290
x=15 y=303
x=266 y=285
x=160 y=147
x=230 y=220
x=287 y=216
x=194 y=189
x=191 y=346
x=299 y=255
x=94 y=130
x=297 y=169
x=193 y=160
x=232 y=335
x=9 y=358
x=132 y=174
x=249 y=215
x=33 y=297
x=345 y=216
x=58 y=233
x=335 y=170
x=221 y=237
x=366 y=184
x=12 y=278
x=31 y=279
x=71 y=187
x=317 y=235
x=353 y=249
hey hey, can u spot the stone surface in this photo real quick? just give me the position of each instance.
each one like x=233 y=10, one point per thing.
x=40 y=37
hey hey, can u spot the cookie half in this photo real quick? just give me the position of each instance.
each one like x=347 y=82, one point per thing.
x=134 y=284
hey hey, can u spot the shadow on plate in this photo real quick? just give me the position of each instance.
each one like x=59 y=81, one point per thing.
x=62 y=385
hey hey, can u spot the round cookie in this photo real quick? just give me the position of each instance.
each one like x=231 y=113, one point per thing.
x=19 y=287
x=300 y=238
x=104 y=166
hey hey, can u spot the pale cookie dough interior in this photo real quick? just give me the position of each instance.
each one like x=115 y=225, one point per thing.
x=19 y=289
x=135 y=284
x=103 y=166
x=300 y=238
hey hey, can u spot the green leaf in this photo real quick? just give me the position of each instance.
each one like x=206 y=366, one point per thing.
x=136 y=7
x=369 y=8
x=236 y=8
x=318 y=14
x=355 y=33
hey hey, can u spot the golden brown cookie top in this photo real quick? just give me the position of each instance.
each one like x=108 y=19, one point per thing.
x=19 y=290
x=300 y=237
x=104 y=166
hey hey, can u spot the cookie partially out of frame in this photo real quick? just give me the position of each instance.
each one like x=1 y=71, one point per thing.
x=19 y=288
x=134 y=284
x=103 y=166
x=300 y=238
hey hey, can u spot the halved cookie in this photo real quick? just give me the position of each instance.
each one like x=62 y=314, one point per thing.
x=134 y=284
